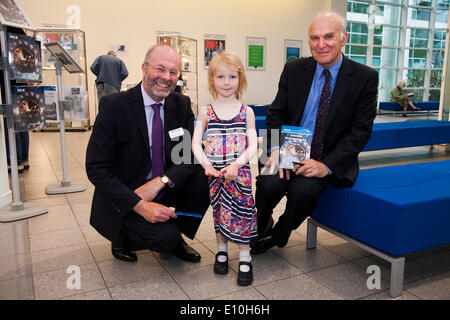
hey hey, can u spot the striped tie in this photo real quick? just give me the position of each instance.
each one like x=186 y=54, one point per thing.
x=321 y=118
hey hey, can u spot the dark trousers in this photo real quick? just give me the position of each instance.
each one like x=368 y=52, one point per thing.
x=105 y=89
x=22 y=145
x=302 y=194
x=193 y=196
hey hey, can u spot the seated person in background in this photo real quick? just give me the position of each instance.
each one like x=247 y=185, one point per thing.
x=402 y=99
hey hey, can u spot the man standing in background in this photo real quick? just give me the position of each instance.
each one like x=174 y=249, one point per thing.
x=110 y=72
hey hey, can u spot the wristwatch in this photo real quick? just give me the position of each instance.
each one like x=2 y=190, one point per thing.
x=166 y=181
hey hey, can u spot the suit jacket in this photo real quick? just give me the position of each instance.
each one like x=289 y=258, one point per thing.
x=350 y=117
x=118 y=154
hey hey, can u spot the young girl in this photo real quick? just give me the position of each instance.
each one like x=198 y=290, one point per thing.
x=231 y=142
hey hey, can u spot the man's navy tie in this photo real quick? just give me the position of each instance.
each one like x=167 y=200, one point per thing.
x=321 y=118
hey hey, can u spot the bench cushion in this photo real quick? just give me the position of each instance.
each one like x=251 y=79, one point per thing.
x=260 y=123
x=259 y=110
x=390 y=135
x=398 y=209
x=423 y=105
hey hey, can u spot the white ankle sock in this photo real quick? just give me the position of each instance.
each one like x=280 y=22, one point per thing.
x=222 y=247
x=244 y=255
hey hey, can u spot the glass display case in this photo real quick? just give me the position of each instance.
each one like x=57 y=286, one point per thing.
x=187 y=48
x=75 y=85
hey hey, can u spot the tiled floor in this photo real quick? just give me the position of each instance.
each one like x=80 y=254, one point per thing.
x=36 y=254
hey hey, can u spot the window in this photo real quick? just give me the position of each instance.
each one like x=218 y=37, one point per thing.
x=419 y=17
x=423 y=3
x=442 y=16
x=386 y=36
x=357 y=33
x=356 y=53
x=417 y=58
x=437 y=59
x=418 y=38
x=376 y=38
x=357 y=7
x=439 y=39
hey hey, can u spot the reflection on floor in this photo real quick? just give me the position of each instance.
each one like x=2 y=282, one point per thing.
x=36 y=253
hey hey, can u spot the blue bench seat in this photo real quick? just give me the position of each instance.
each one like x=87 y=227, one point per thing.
x=391 y=210
x=259 y=110
x=389 y=135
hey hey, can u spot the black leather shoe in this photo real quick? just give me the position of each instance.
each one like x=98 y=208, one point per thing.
x=269 y=227
x=221 y=267
x=123 y=254
x=245 y=278
x=186 y=253
x=261 y=245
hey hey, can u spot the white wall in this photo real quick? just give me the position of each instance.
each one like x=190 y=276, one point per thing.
x=135 y=23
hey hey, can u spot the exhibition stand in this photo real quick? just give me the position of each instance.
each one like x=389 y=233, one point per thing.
x=18 y=209
x=63 y=59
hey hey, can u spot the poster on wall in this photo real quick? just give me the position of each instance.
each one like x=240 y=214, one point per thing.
x=74 y=95
x=67 y=42
x=214 y=44
x=28 y=108
x=12 y=15
x=292 y=50
x=256 y=54
x=24 y=58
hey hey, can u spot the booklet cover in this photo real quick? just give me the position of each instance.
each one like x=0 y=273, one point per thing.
x=24 y=58
x=28 y=108
x=295 y=145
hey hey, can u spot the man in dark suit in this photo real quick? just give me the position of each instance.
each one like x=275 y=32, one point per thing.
x=334 y=97
x=138 y=173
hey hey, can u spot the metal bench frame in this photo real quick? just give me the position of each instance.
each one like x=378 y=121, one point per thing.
x=397 y=263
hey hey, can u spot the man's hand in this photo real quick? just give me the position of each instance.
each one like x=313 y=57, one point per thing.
x=150 y=189
x=154 y=212
x=272 y=163
x=311 y=168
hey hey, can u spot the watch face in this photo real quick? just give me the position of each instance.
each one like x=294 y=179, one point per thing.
x=164 y=179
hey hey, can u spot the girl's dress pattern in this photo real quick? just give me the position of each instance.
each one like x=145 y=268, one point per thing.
x=232 y=201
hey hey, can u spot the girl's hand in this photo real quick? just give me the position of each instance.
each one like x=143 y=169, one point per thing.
x=210 y=171
x=230 y=172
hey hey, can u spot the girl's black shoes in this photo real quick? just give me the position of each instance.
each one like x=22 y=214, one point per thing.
x=245 y=278
x=221 y=267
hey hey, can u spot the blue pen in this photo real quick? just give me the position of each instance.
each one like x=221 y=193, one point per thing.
x=188 y=214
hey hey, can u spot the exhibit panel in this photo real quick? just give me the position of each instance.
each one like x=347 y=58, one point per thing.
x=75 y=90
x=187 y=48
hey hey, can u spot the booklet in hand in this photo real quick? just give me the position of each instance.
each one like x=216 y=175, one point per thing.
x=295 y=145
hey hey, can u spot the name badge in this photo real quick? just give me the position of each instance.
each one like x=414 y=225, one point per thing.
x=176 y=133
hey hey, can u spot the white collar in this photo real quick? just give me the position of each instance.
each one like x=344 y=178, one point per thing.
x=148 y=101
